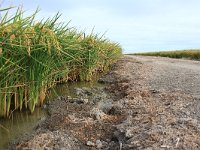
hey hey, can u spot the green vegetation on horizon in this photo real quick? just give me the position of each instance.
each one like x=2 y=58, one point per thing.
x=35 y=56
x=191 y=54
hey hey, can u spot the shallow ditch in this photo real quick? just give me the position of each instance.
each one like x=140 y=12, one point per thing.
x=22 y=123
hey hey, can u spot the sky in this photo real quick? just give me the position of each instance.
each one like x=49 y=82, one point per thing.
x=138 y=25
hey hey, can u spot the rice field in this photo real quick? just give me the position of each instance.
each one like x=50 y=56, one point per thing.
x=35 y=56
x=190 y=54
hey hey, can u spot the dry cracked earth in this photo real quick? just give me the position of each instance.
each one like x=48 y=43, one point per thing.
x=146 y=103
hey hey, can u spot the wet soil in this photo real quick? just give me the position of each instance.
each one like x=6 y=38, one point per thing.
x=137 y=108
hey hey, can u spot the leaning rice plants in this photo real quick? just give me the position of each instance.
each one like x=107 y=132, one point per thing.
x=35 y=56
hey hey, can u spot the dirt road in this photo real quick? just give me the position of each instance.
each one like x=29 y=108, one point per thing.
x=146 y=103
x=162 y=98
x=173 y=74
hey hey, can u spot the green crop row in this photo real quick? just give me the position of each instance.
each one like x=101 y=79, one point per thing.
x=34 y=56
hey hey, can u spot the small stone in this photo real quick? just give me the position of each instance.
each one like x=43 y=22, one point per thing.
x=78 y=91
x=99 y=144
x=154 y=91
x=99 y=114
x=89 y=143
x=129 y=133
x=85 y=100
x=105 y=105
x=82 y=100
x=70 y=99
x=79 y=101
x=45 y=106
x=165 y=146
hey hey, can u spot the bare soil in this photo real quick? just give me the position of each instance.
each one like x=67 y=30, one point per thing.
x=145 y=103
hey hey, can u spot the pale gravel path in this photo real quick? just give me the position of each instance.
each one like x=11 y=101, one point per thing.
x=173 y=74
x=166 y=91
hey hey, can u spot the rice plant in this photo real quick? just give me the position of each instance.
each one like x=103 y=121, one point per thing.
x=190 y=54
x=35 y=56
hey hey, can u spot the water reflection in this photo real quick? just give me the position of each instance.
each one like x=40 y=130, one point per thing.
x=21 y=123
x=24 y=122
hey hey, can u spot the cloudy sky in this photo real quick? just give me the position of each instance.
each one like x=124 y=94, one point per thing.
x=138 y=25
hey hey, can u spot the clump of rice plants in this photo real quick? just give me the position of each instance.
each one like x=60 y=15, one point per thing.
x=34 y=56
x=190 y=54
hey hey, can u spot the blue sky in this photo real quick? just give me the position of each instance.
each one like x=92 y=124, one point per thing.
x=138 y=25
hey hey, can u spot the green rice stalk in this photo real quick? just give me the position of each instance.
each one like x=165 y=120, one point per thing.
x=35 y=56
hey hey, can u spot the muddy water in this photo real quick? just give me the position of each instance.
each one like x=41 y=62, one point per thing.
x=20 y=123
x=24 y=122
x=68 y=89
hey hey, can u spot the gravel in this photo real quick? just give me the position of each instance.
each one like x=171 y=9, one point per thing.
x=161 y=100
x=173 y=74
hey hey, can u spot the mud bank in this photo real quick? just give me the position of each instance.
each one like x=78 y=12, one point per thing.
x=126 y=113
x=85 y=121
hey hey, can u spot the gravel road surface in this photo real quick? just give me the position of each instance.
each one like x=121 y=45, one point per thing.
x=173 y=74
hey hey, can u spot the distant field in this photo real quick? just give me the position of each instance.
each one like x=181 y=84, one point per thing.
x=191 y=54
